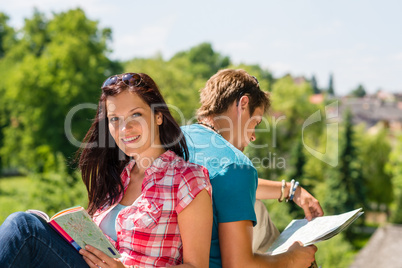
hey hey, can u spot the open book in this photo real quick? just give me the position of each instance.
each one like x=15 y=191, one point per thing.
x=311 y=232
x=77 y=227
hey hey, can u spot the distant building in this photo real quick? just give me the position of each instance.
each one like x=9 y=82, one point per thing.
x=382 y=250
x=382 y=107
x=300 y=80
x=317 y=98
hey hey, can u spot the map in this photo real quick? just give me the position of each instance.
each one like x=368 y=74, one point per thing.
x=79 y=225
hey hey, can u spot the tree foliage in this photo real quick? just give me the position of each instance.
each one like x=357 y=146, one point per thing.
x=346 y=185
x=314 y=85
x=7 y=35
x=58 y=63
x=331 y=90
x=359 y=92
x=394 y=168
x=203 y=60
x=375 y=152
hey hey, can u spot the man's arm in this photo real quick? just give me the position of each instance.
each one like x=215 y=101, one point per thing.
x=235 y=239
x=272 y=190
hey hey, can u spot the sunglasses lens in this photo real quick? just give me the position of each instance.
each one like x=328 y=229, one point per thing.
x=131 y=79
x=110 y=81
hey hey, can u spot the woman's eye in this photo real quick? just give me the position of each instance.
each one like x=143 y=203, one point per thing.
x=136 y=115
x=114 y=119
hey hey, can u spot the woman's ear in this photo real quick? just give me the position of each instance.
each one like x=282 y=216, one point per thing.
x=159 y=118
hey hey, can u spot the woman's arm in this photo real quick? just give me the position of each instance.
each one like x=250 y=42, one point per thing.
x=195 y=224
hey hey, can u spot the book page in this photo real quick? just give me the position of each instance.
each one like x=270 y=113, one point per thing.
x=39 y=213
x=67 y=210
x=313 y=231
x=81 y=228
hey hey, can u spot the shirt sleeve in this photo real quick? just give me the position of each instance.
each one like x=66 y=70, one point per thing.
x=234 y=190
x=194 y=179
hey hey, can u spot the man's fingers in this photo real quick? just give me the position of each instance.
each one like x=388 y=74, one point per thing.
x=313 y=247
x=298 y=242
x=307 y=213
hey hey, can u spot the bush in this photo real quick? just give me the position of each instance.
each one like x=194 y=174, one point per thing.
x=54 y=191
x=50 y=192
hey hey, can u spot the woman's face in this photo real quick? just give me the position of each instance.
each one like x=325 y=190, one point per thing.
x=132 y=124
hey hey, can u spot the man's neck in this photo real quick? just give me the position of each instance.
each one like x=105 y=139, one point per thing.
x=223 y=124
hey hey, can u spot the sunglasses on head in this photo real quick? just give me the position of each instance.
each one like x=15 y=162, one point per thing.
x=130 y=79
x=255 y=78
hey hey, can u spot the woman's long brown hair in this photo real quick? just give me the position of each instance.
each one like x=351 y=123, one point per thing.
x=101 y=161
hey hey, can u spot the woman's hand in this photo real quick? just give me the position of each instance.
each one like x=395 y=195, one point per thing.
x=96 y=258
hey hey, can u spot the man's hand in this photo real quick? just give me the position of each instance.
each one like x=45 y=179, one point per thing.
x=308 y=203
x=300 y=256
x=268 y=189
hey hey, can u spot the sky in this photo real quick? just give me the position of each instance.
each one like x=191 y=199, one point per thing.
x=358 y=41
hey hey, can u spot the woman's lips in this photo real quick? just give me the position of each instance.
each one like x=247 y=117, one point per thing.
x=128 y=140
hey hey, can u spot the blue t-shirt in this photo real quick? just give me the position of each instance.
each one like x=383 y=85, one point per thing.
x=233 y=178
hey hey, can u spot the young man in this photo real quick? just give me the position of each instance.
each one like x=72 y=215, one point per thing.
x=232 y=105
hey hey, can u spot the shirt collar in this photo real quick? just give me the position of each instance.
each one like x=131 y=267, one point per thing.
x=160 y=163
x=157 y=165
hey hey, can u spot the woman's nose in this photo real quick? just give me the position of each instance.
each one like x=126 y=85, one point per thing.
x=125 y=125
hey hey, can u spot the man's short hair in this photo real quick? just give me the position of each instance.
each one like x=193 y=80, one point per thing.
x=228 y=85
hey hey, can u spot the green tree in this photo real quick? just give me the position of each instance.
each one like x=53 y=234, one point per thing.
x=314 y=85
x=331 y=90
x=345 y=184
x=375 y=150
x=7 y=41
x=297 y=160
x=296 y=171
x=394 y=168
x=359 y=92
x=63 y=64
x=204 y=61
x=7 y=35
x=36 y=34
x=56 y=190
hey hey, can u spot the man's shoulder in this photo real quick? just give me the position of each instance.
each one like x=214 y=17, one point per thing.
x=211 y=150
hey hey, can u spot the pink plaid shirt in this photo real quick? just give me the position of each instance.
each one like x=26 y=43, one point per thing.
x=147 y=231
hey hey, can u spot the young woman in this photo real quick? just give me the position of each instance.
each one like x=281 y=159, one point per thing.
x=154 y=206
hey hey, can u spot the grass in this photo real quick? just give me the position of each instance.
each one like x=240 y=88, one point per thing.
x=14 y=195
x=49 y=193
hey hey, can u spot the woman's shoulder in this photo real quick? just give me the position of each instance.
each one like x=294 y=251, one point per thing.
x=187 y=168
x=184 y=165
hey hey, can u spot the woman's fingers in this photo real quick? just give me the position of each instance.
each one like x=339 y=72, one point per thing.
x=94 y=257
